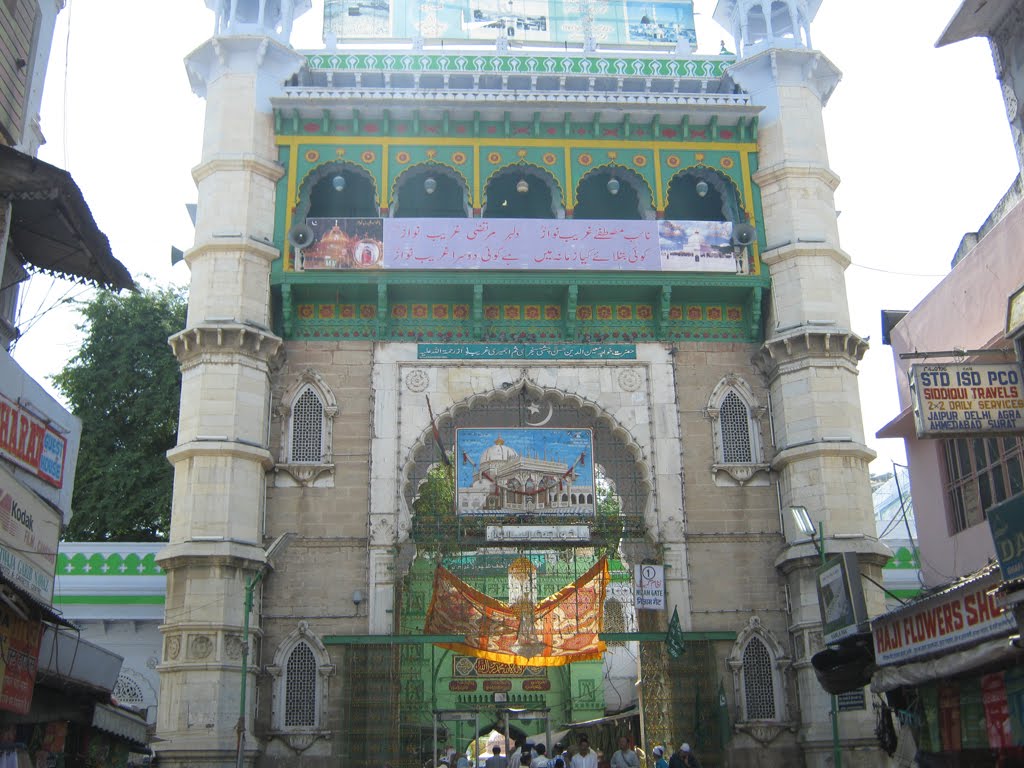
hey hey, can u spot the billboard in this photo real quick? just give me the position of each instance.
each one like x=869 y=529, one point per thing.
x=954 y=399
x=525 y=472
x=29 y=533
x=19 y=660
x=840 y=598
x=1006 y=521
x=499 y=244
x=609 y=22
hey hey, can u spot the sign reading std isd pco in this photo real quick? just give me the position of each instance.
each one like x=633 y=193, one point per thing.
x=952 y=399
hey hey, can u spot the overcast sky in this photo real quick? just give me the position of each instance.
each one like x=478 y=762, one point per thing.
x=918 y=136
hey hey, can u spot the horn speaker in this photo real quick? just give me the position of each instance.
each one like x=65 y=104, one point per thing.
x=300 y=236
x=743 y=234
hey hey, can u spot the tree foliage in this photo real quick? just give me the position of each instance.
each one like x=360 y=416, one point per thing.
x=124 y=384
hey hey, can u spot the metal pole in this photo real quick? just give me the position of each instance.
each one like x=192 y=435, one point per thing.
x=837 y=757
x=250 y=587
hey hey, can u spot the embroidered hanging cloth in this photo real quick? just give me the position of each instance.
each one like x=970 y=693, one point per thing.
x=558 y=630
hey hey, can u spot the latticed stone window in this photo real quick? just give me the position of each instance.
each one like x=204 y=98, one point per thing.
x=735 y=420
x=758 y=681
x=307 y=428
x=128 y=692
x=300 y=688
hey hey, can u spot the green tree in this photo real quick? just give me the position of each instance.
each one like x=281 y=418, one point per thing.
x=124 y=385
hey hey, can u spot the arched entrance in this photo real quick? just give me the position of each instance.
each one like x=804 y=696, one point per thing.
x=526 y=482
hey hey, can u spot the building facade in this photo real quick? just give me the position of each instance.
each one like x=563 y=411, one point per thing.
x=509 y=304
x=956 y=686
x=54 y=686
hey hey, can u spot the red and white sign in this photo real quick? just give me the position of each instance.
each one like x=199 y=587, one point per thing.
x=963 y=617
x=31 y=443
x=19 y=639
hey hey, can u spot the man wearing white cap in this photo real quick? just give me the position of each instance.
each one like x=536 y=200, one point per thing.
x=684 y=758
x=659 y=757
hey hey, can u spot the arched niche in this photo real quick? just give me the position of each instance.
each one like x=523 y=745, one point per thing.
x=430 y=190
x=720 y=200
x=523 y=191
x=613 y=192
x=321 y=195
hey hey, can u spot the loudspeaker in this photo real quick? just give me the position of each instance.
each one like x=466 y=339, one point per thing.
x=743 y=234
x=301 y=235
x=176 y=255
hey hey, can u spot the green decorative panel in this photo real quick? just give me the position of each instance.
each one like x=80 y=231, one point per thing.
x=367 y=156
x=695 y=67
x=112 y=564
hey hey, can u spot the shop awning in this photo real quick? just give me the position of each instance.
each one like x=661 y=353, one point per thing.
x=52 y=228
x=999 y=650
x=124 y=725
x=11 y=594
x=901 y=426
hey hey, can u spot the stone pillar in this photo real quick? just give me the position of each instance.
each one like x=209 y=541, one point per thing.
x=810 y=361
x=217 y=536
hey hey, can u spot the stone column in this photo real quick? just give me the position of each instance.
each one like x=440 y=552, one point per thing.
x=217 y=536
x=810 y=361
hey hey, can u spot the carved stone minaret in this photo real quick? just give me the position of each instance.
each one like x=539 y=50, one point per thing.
x=810 y=355
x=217 y=537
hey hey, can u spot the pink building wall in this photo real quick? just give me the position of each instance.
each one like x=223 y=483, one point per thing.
x=967 y=310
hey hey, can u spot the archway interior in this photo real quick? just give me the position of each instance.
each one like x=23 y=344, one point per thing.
x=448 y=680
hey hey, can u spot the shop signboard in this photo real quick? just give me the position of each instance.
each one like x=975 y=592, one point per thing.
x=649 y=587
x=19 y=639
x=956 y=399
x=959 y=617
x=29 y=533
x=500 y=244
x=1006 y=521
x=841 y=598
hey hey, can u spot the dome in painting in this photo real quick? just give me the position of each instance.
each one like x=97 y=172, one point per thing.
x=498 y=452
x=521 y=568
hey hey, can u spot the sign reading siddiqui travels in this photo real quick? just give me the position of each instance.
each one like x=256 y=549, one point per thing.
x=953 y=399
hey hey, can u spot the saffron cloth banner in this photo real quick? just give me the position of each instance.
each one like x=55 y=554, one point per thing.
x=558 y=630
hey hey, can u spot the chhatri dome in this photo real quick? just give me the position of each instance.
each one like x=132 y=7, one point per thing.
x=498 y=452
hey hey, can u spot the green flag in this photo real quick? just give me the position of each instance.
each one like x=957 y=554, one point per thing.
x=674 y=637
x=724 y=726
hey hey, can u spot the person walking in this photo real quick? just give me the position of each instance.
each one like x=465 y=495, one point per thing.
x=659 y=757
x=586 y=757
x=625 y=756
x=496 y=760
x=684 y=758
x=541 y=760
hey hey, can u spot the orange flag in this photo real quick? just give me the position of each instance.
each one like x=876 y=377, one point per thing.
x=558 y=630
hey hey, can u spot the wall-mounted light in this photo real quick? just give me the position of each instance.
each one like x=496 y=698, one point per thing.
x=429 y=185
x=338 y=182
x=702 y=188
x=613 y=186
x=522 y=187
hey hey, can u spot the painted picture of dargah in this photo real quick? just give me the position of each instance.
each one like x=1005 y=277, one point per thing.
x=525 y=471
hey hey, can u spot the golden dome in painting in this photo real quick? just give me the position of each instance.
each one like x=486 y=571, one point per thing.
x=521 y=568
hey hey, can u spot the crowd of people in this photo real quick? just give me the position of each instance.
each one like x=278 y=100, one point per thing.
x=526 y=755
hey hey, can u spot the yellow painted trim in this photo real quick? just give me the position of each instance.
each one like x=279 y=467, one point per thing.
x=477 y=205
x=620 y=144
x=385 y=157
x=568 y=179
x=293 y=198
x=659 y=204
x=748 y=194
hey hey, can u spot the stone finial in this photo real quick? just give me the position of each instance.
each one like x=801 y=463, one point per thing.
x=758 y=25
x=271 y=18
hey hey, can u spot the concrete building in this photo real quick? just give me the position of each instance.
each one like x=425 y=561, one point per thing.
x=509 y=221
x=54 y=687
x=958 y=686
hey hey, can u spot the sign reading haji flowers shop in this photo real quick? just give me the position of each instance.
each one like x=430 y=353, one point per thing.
x=962 y=616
